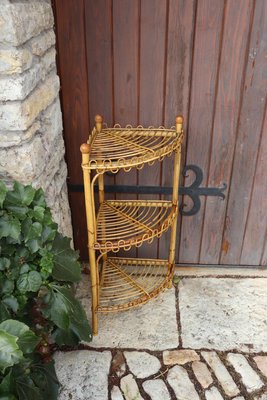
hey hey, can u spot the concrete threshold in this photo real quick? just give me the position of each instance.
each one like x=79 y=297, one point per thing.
x=220 y=270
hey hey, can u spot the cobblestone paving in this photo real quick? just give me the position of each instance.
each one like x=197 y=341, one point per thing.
x=149 y=373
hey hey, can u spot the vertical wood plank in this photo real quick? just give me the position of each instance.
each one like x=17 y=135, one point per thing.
x=203 y=94
x=233 y=58
x=263 y=261
x=73 y=78
x=125 y=43
x=72 y=68
x=255 y=235
x=98 y=41
x=99 y=59
x=126 y=59
x=179 y=57
x=249 y=134
x=152 y=81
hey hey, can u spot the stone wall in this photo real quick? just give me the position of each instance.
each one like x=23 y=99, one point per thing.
x=31 y=142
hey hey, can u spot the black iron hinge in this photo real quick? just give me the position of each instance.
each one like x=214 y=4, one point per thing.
x=194 y=191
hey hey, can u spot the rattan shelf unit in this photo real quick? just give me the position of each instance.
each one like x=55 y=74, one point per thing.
x=121 y=283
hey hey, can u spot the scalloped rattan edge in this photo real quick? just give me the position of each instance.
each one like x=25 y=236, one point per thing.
x=133 y=287
x=148 y=155
x=105 y=246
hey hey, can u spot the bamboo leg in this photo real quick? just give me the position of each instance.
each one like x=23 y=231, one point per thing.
x=85 y=150
x=176 y=174
x=101 y=193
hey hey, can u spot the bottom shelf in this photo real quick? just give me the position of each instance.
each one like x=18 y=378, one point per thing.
x=127 y=283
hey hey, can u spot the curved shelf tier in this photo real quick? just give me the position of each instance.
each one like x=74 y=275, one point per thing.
x=127 y=283
x=117 y=148
x=126 y=223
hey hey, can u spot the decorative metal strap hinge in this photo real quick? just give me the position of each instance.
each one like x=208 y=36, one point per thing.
x=194 y=191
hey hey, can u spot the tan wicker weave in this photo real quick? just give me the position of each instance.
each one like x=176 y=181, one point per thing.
x=117 y=283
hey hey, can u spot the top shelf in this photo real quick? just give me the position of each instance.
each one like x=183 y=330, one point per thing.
x=112 y=149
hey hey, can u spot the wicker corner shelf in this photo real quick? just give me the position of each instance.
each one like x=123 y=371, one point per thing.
x=122 y=283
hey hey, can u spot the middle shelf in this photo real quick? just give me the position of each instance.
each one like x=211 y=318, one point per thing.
x=122 y=224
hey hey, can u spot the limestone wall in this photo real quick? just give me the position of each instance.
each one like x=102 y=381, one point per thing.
x=31 y=142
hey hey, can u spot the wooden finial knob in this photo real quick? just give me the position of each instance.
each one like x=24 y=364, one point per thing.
x=98 y=119
x=85 y=148
x=179 y=119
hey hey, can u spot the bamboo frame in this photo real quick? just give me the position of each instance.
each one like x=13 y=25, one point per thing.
x=125 y=283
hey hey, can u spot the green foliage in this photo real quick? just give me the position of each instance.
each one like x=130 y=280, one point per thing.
x=37 y=269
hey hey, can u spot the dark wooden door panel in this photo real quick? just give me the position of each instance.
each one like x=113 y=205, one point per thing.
x=248 y=139
x=144 y=62
x=202 y=102
x=234 y=54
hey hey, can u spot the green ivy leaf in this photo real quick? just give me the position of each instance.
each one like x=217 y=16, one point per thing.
x=13 y=327
x=29 y=282
x=19 y=211
x=11 y=302
x=28 y=342
x=5 y=385
x=44 y=376
x=48 y=234
x=66 y=266
x=10 y=353
x=78 y=322
x=39 y=198
x=4 y=313
x=38 y=213
x=9 y=226
x=26 y=389
x=34 y=245
x=57 y=310
x=4 y=263
x=20 y=195
x=3 y=191
x=6 y=286
x=65 y=338
x=34 y=231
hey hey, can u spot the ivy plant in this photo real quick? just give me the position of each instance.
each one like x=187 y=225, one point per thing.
x=38 y=309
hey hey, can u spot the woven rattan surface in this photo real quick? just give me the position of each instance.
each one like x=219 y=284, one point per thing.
x=114 y=148
x=125 y=223
x=127 y=283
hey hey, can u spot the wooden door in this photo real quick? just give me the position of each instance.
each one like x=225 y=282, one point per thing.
x=144 y=62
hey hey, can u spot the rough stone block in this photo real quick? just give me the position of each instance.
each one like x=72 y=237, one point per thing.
x=142 y=364
x=221 y=373
x=224 y=314
x=156 y=389
x=48 y=61
x=15 y=138
x=20 y=115
x=32 y=160
x=91 y=382
x=116 y=393
x=181 y=384
x=130 y=389
x=21 y=21
x=41 y=43
x=171 y=357
x=14 y=60
x=261 y=362
x=249 y=377
x=213 y=394
x=202 y=374
x=19 y=86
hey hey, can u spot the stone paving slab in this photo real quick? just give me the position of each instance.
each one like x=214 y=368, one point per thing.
x=224 y=313
x=152 y=326
x=83 y=374
x=219 y=357
x=90 y=375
